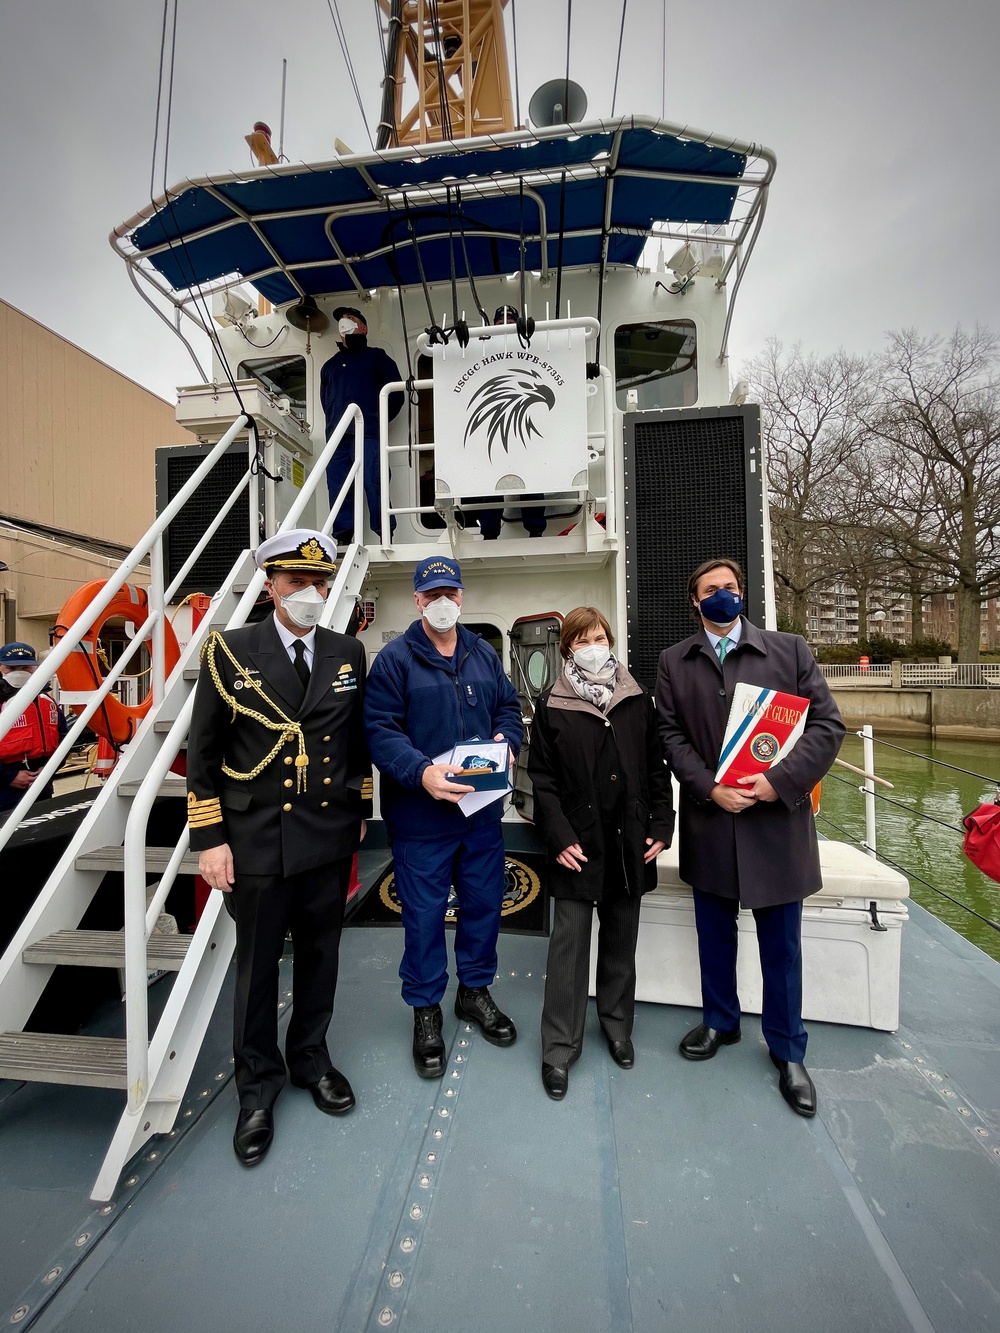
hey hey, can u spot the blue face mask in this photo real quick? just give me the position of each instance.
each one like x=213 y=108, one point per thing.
x=722 y=608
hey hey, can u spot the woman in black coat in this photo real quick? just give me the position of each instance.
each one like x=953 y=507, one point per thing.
x=603 y=803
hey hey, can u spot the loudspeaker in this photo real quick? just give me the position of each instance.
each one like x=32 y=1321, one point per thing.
x=694 y=490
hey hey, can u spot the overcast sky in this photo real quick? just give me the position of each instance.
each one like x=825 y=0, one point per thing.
x=883 y=115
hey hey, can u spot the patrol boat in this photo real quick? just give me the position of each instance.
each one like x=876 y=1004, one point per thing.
x=667 y=1196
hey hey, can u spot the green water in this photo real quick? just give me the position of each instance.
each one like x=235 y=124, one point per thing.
x=918 y=846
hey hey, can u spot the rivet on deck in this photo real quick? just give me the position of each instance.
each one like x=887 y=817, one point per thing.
x=396 y=1279
x=385 y=1317
x=424 y=1182
x=407 y=1244
x=52 y=1274
x=416 y=1211
x=19 y=1314
x=444 y=1113
x=82 y=1239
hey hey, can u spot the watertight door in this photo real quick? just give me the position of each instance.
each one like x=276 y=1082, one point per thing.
x=534 y=665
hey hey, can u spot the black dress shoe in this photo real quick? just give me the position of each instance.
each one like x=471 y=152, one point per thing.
x=332 y=1093
x=428 y=1048
x=795 y=1085
x=476 y=1004
x=555 y=1080
x=702 y=1042
x=622 y=1052
x=254 y=1135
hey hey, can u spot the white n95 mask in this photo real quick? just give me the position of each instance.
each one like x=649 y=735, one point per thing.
x=17 y=678
x=592 y=658
x=442 y=614
x=304 y=607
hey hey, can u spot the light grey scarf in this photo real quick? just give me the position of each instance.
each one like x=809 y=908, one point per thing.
x=596 y=687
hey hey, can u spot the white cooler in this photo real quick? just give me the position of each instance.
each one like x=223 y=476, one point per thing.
x=850 y=969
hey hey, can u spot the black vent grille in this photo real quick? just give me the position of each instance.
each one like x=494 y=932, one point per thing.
x=173 y=468
x=693 y=490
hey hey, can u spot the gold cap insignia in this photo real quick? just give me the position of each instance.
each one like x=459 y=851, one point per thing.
x=311 y=550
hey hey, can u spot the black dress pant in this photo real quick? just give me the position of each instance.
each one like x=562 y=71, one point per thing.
x=564 y=1011
x=266 y=908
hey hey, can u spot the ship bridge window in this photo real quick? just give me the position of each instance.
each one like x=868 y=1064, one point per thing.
x=282 y=376
x=659 y=361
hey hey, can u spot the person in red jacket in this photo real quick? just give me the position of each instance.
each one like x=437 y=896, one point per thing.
x=34 y=737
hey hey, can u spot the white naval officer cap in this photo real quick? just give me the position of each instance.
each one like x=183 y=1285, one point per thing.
x=300 y=549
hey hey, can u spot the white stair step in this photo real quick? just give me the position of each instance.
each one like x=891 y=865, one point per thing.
x=105 y=948
x=169 y=787
x=113 y=858
x=162 y=725
x=46 y=1057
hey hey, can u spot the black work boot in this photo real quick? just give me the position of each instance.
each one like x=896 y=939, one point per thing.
x=476 y=1004
x=428 y=1048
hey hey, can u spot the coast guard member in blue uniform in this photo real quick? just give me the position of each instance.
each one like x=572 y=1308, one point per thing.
x=356 y=374
x=437 y=685
x=755 y=844
x=279 y=784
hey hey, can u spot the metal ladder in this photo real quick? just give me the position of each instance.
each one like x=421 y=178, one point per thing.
x=112 y=837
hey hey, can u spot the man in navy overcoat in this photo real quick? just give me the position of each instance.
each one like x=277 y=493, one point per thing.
x=755 y=845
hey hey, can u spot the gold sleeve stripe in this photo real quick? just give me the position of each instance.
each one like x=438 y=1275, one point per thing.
x=205 y=806
x=203 y=821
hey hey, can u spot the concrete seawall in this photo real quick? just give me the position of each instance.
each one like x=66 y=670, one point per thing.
x=946 y=713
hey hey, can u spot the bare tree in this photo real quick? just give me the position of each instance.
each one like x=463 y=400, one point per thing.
x=938 y=414
x=812 y=409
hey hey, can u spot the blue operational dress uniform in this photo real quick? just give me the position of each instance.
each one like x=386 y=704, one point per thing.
x=356 y=374
x=418 y=705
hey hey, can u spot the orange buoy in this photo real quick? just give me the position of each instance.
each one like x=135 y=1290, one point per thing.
x=82 y=672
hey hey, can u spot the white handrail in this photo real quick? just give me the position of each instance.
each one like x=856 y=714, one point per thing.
x=55 y=760
x=69 y=642
x=140 y=919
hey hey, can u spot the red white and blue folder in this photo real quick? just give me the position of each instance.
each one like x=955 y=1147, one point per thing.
x=763 y=726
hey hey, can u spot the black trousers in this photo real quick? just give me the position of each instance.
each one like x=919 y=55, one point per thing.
x=564 y=1010
x=266 y=908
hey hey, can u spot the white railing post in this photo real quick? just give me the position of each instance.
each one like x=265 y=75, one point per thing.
x=158 y=639
x=868 y=746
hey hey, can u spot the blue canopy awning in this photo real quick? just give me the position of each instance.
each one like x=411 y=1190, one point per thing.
x=350 y=224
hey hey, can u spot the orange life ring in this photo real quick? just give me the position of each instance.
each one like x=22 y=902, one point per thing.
x=115 y=721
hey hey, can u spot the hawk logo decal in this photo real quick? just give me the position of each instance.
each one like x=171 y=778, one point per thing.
x=503 y=406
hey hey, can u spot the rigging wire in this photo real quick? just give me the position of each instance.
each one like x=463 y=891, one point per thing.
x=387 y=130
x=988 y=921
x=334 y=8
x=931 y=760
x=517 y=83
x=443 y=100
x=663 y=67
x=618 y=62
x=910 y=810
x=465 y=257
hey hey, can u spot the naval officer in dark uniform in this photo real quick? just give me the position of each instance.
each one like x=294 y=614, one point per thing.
x=754 y=844
x=279 y=786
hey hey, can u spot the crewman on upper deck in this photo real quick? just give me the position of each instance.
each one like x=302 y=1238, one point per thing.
x=279 y=786
x=356 y=374
x=437 y=685
x=755 y=844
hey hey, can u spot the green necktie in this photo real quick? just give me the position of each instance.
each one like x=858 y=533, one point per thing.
x=723 y=649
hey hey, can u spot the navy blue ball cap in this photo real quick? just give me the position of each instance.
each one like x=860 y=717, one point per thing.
x=18 y=654
x=437 y=572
